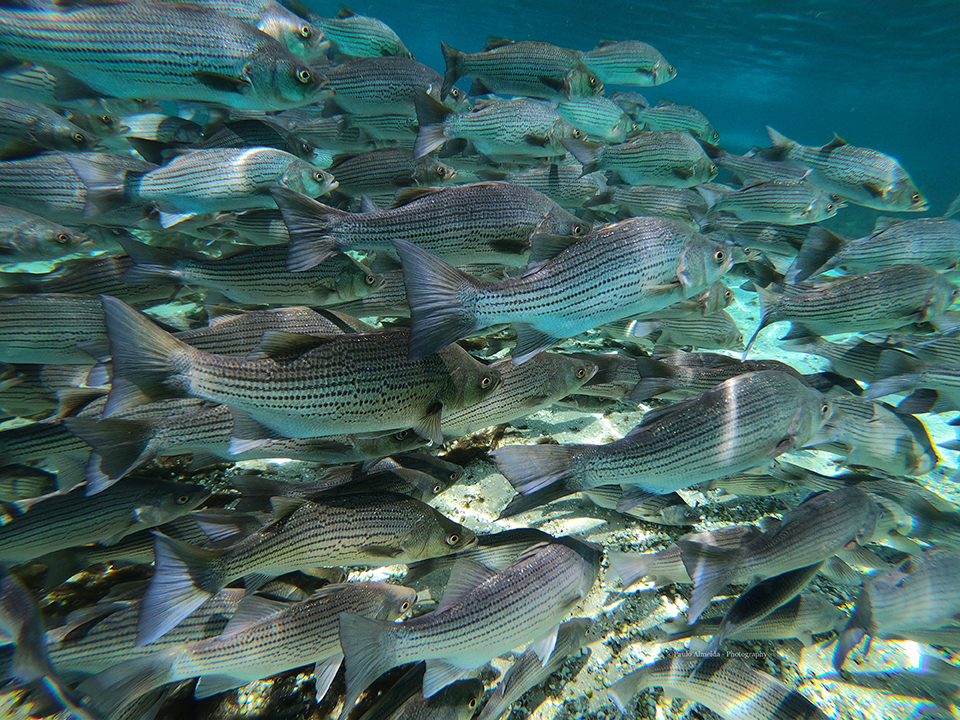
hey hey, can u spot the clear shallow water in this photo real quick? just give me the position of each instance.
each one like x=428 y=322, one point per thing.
x=881 y=74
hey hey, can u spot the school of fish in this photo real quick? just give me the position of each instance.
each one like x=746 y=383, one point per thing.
x=282 y=313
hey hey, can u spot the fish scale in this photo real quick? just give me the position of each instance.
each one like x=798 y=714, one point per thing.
x=128 y=50
x=384 y=85
x=47 y=328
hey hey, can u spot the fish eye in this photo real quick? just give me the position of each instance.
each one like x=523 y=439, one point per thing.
x=437 y=489
x=183 y=500
x=305 y=31
x=318 y=176
x=486 y=381
x=593 y=81
x=456 y=94
x=106 y=120
x=577 y=229
x=720 y=256
x=305 y=148
x=370 y=280
x=472 y=704
x=303 y=75
x=402 y=435
x=577 y=133
x=728 y=295
x=915 y=197
x=581 y=372
x=77 y=137
x=453 y=476
x=62 y=238
x=405 y=606
x=824 y=409
x=452 y=539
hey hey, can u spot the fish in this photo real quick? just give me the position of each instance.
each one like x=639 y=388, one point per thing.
x=861 y=175
x=28 y=128
x=528 y=670
x=661 y=261
x=62 y=520
x=667 y=509
x=752 y=166
x=661 y=157
x=381 y=85
x=599 y=117
x=629 y=62
x=260 y=133
x=818 y=528
x=478 y=222
x=520 y=127
x=715 y=331
x=127 y=49
x=636 y=200
x=256 y=276
x=528 y=68
x=484 y=613
x=37 y=391
x=49 y=328
x=666 y=115
x=933 y=242
x=457 y=701
x=356 y=35
x=775 y=201
x=523 y=390
x=386 y=391
x=564 y=184
x=725 y=685
x=20 y=482
x=919 y=594
x=352 y=529
x=262 y=638
x=883 y=300
x=25 y=236
x=204 y=181
x=741 y=423
x=386 y=170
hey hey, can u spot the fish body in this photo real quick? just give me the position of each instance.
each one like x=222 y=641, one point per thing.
x=523 y=390
x=662 y=157
x=166 y=51
x=682 y=118
x=716 y=331
x=352 y=529
x=564 y=184
x=599 y=117
x=528 y=68
x=462 y=223
x=25 y=236
x=65 y=520
x=726 y=685
x=638 y=265
x=521 y=126
x=381 y=85
x=775 y=201
x=457 y=701
x=48 y=328
x=331 y=385
x=27 y=128
x=386 y=170
x=485 y=613
x=863 y=176
x=741 y=423
x=360 y=36
x=629 y=63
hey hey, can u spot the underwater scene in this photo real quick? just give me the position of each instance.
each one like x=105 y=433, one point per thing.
x=473 y=361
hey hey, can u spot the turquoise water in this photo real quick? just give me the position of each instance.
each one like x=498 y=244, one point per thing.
x=884 y=75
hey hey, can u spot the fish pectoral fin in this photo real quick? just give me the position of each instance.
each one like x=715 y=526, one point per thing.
x=439 y=674
x=324 y=672
x=253 y=609
x=429 y=425
x=465 y=575
x=878 y=191
x=169 y=219
x=384 y=551
x=537 y=140
x=530 y=341
x=544 y=646
x=552 y=83
x=683 y=173
x=214 y=684
x=222 y=82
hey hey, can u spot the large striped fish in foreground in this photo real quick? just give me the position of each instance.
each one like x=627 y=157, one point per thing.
x=863 y=176
x=166 y=51
x=638 y=265
x=743 y=422
x=484 y=613
x=728 y=686
x=314 y=386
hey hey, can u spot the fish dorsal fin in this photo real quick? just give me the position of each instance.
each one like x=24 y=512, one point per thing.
x=547 y=247
x=837 y=142
x=494 y=42
x=324 y=673
x=367 y=205
x=439 y=674
x=884 y=223
x=663 y=103
x=607 y=43
x=253 y=609
x=284 y=507
x=275 y=343
x=345 y=12
x=406 y=196
x=465 y=576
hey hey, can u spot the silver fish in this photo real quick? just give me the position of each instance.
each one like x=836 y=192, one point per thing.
x=359 y=36
x=683 y=118
x=27 y=128
x=775 y=201
x=25 y=236
x=629 y=63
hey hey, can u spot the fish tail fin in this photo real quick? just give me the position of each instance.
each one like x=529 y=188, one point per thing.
x=586 y=153
x=710 y=197
x=711 y=569
x=453 y=59
x=896 y=372
x=151 y=264
x=657 y=377
x=856 y=629
x=119 y=447
x=631 y=567
x=768 y=312
x=623 y=691
x=184 y=577
x=148 y=362
x=540 y=473
x=439 y=296
x=115 y=688
x=106 y=186
x=368 y=653
x=816 y=255
x=430 y=117
x=311 y=226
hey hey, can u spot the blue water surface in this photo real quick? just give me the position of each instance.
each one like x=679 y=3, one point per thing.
x=880 y=74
